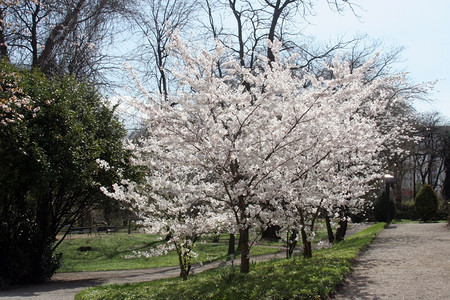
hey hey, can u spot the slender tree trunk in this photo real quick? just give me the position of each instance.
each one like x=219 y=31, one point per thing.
x=307 y=248
x=239 y=243
x=183 y=271
x=245 y=250
x=57 y=34
x=414 y=179
x=3 y=46
x=329 y=229
x=340 y=232
x=216 y=238
x=231 y=243
x=291 y=243
x=398 y=188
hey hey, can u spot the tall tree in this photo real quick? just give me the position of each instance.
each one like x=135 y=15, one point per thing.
x=60 y=37
x=156 y=21
x=51 y=138
x=263 y=138
x=429 y=155
x=245 y=25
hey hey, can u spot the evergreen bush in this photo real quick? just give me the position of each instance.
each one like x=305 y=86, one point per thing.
x=426 y=203
x=50 y=143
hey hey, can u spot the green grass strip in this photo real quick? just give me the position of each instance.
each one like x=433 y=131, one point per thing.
x=109 y=252
x=296 y=278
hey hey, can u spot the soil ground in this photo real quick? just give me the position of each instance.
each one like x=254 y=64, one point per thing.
x=406 y=261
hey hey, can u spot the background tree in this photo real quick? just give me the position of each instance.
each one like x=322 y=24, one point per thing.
x=429 y=155
x=50 y=176
x=156 y=21
x=446 y=183
x=61 y=37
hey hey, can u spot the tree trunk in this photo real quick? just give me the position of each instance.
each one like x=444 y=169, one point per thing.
x=216 y=238
x=398 y=197
x=3 y=46
x=340 y=232
x=231 y=242
x=291 y=243
x=329 y=229
x=307 y=248
x=239 y=244
x=56 y=35
x=245 y=250
x=183 y=271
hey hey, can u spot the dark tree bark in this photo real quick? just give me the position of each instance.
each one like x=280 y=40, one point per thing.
x=307 y=247
x=245 y=250
x=231 y=244
x=3 y=46
x=329 y=229
x=341 y=230
x=291 y=243
x=57 y=35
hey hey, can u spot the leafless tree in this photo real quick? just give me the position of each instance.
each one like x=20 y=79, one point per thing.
x=245 y=25
x=155 y=22
x=428 y=157
x=60 y=36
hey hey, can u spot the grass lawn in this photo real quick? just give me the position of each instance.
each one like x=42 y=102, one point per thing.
x=108 y=252
x=296 y=278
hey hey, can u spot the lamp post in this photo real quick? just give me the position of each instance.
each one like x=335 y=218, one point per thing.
x=388 y=179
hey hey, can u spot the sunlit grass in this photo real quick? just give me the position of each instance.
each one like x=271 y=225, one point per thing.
x=108 y=252
x=296 y=278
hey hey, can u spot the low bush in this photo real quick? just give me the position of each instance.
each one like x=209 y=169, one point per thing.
x=426 y=203
x=407 y=211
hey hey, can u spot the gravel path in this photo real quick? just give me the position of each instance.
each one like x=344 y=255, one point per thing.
x=406 y=261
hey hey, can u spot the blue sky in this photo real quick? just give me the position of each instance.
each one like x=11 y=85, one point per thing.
x=421 y=27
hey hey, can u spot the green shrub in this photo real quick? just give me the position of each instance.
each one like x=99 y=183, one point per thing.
x=407 y=211
x=379 y=208
x=426 y=203
x=49 y=175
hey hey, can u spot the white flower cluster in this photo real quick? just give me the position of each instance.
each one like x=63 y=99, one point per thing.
x=13 y=102
x=158 y=251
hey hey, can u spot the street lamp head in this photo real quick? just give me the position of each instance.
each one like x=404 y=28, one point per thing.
x=388 y=178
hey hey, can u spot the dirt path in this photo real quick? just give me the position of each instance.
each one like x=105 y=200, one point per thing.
x=406 y=261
